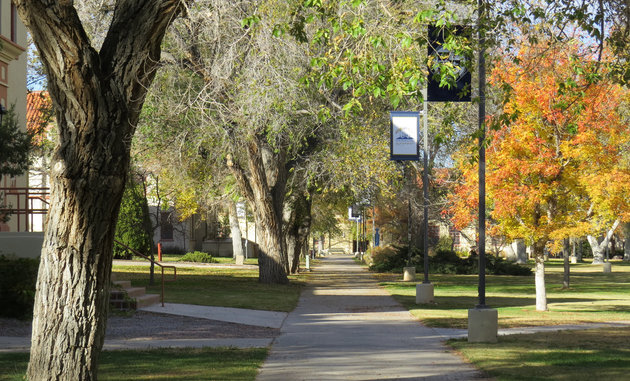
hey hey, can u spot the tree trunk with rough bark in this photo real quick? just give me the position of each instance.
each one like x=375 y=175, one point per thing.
x=541 y=292
x=264 y=185
x=235 y=229
x=297 y=222
x=98 y=97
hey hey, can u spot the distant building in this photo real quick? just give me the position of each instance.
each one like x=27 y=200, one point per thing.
x=13 y=92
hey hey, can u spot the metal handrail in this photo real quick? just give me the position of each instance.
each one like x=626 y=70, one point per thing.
x=162 y=267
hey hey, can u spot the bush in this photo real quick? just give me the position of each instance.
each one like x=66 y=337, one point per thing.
x=197 y=256
x=132 y=225
x=393 y=259
x=17 y=286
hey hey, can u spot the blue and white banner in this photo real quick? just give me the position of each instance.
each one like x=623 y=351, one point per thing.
x=404 y=135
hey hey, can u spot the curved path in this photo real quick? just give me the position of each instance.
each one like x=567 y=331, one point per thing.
x=346 y=327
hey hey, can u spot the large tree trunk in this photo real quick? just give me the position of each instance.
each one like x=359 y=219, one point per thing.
x=235 y=228
x=297 y=222
x=265 y=186
x=600 y=247
x=97 y=97
x=541 y=292
x=626 y=246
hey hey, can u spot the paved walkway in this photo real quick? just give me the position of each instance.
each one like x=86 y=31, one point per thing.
x=346 y=327
x=270 y=319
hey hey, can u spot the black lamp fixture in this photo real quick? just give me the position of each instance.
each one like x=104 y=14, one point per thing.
x=3 y=111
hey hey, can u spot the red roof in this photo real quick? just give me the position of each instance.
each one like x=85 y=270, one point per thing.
x=39 y=113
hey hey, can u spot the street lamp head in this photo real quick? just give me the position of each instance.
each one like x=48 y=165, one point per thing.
x=3 y=111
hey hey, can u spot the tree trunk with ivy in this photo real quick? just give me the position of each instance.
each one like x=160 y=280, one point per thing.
x=97 y=97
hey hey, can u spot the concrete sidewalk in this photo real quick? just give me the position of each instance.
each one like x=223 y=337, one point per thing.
x=270 y=319
x=348 y=328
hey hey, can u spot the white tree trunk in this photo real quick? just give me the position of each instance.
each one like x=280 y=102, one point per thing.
x=541 y=292
x=599 y=248
x=235 y=229
x=626 y=248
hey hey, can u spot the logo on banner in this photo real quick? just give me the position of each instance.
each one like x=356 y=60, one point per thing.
x=405 y=126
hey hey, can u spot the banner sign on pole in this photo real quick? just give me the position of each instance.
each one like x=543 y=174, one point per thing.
x=404 y=135
x=459 y=89
x=354 y=213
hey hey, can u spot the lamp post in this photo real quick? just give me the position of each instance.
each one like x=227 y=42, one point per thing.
x=482 y=320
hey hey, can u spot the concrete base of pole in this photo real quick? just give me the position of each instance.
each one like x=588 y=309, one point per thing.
x=308 y=263
x=424 y=293
x=573 y=259
x=607 y=267
x=483 y=325
x=240 y=259
x=409 y=274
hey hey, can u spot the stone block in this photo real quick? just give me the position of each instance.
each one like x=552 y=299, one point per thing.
x=424 y=293
x=483 y=325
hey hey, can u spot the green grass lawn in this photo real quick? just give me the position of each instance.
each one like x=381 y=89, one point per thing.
x=567 y=355
x=224 y=287
x=593 y=297
x=599 y=354
x=160 y=364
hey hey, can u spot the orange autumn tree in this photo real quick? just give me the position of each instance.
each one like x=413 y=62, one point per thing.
x=564 y=135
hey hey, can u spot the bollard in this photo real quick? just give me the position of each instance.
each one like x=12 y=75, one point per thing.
x=159 y=251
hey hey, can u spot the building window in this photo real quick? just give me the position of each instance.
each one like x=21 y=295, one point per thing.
x=166 y=226
x=13 y=23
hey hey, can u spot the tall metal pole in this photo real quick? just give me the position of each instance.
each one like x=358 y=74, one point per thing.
x=482 y=156
x=425 y=190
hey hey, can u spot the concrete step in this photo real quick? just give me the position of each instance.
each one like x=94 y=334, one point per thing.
x=147 y=300
x=122 y=283
x=124 y=297
x=135 y=292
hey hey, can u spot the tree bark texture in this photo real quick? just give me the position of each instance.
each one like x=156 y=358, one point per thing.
x=541 y=292
x=297 y=225
x=97 y=97
x=566 y=251
x=235 y=228
x=264 y=187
